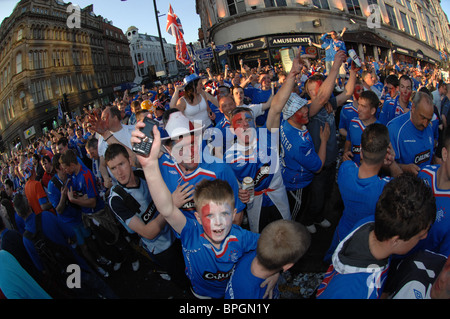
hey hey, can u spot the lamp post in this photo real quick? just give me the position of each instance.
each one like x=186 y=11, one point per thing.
x=160 y=40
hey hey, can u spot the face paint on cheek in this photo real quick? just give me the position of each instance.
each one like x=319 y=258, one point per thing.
x=300 y=117
x=206 y=222
x=235 y=120
x=357 y=92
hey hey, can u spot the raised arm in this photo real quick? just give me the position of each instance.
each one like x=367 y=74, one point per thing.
x=158 y=189
x=283 y=94
x=326 y=89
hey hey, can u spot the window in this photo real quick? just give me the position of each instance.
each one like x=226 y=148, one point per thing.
x=19 y=34
x=391 y=16
x=415 y=30
x=322 y=4
x=369 y=2
x=236 y=6
x=354 y=7
x=18 y=63
x=408 y=4
x=275 y=3
x=405 y=22
x=426 y=33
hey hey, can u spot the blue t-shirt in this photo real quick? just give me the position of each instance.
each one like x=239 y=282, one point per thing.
x=391 y=109
x=259 y=164
x=348 y=112
x=355 y=130
x=298 y=158
x=84 y=183
x=360 y=196
x=70 y=214
x=209 y=268
x=243 y=284
x=173 y=176
x=55 y=230
x=410 y=144
x=438 y=238
x=259 y=96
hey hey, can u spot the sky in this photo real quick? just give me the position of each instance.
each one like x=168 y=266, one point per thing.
x=139 y=13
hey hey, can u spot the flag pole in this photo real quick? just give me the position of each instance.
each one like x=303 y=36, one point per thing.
x=166 y=67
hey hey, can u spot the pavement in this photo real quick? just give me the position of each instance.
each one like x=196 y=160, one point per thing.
x=299 y=282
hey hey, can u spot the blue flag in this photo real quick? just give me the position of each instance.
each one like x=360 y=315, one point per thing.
x=60 y=112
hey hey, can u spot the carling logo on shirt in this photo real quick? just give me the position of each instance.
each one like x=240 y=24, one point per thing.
x=220 y=275
x=422 y=157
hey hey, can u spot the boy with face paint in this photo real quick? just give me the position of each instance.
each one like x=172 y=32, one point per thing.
x=211 y=243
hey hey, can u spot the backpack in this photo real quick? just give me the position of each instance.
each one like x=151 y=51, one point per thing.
x=54 y=257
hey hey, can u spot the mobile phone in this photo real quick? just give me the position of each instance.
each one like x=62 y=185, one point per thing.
x=144 y=147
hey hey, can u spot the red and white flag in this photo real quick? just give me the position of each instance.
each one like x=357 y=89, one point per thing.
x=175 y=29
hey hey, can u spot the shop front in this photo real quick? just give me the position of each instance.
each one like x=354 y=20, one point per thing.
x=267 y=49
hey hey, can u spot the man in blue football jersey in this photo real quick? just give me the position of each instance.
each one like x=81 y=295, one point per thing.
x=367 y=109
x=411 y=135
x=437 y=177
x=359 y=185
x=181 y=162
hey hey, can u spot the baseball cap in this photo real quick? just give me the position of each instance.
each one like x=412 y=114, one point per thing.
x=294 y=104
x=179 y=125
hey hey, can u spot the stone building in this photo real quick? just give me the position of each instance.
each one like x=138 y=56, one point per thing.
x=49 y=50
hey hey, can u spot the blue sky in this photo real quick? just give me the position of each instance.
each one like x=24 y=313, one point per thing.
x=139 y=13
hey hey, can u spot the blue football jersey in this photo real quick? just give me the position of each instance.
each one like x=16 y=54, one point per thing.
x=360 y=196
x=391 y=109
x=438 y=239
x=209 y=268
x=411 y=145
x=173 y=176
x=261 y=162
x=84 y=183
x=298 y=158
x=348 y=112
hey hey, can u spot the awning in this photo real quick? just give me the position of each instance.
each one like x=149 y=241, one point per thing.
x=366 y=37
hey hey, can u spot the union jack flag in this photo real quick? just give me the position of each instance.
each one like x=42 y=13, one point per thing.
x=175 y=29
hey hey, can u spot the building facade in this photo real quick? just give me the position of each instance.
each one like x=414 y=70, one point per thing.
x=44 y=57
x=409 y=30
x=147 y=55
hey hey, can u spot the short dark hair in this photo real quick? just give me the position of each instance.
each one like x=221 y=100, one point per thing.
x=405 y=208
x=63 y=141
x=392 y=79
x=55 y=161
x=113 y=150
x=92 y=143
x=372 y=97
x=374 y=143
x=21 y=206
x=115 y=112
x=68 y=157
x=406 y=77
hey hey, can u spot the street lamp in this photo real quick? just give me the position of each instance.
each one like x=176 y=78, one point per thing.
x=160 y=39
